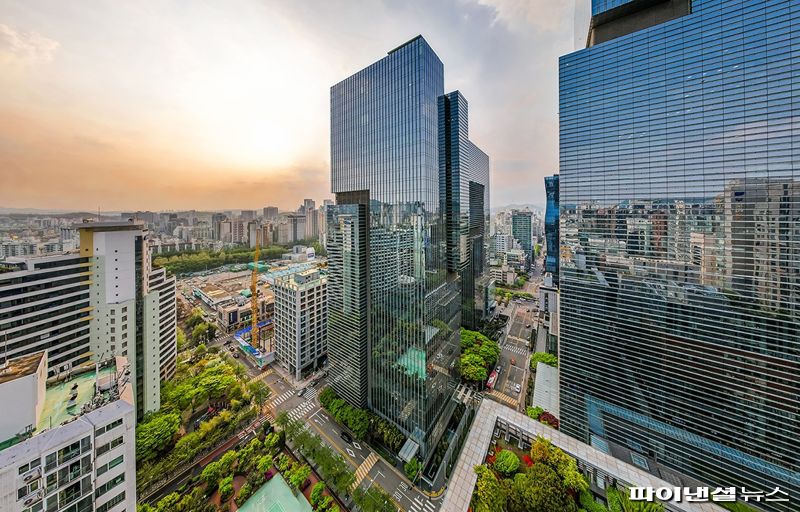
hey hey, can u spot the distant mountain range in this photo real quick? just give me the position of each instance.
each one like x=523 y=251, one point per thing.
x=59 y=213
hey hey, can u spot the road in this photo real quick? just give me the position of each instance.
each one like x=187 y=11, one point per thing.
x=369 y=467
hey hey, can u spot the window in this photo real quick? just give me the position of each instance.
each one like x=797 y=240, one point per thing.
x=106 y=428
x=102 y=489
x=111 y=465
x=116 y=500
x=109 y=446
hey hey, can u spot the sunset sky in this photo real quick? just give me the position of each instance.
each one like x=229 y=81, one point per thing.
x=212 y=105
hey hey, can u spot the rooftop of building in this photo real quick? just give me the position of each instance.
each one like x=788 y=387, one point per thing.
x=82 y=392
x=20 y=367
x=112 y=225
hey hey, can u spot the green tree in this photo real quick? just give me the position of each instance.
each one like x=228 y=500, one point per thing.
x=489 y=352
x=259 y=391
x=180 y=340
x=201 y=349
x=489 y=495
x=316 y=493
x=412 y=469
x=539 y=490
x=298 y=474
x=506 y=463
x=211 y=474
x=195 y=318
x=155 y=435
x=543 y=452
x=472 y=368
x=534 y=412
x=264 y=463
x=226 y=488
x=543 y=357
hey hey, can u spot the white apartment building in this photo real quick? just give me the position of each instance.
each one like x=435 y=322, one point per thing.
x=90 y=306
x=69 y=446
x=301 y=314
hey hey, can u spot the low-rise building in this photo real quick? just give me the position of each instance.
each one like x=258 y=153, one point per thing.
x=68 y=446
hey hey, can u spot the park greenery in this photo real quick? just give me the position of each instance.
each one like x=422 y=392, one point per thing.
x=543 y=357
x=332 y=467
x=365 y=425
x=204 y=405
x=198 y=261
x=253 y=462
x=202 y=331
x=479 y=354
x=545 y=480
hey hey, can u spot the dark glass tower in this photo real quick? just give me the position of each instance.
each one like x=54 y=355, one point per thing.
x=385 y=158
x=680 y=215
x=522 y=230
x=551 y=226
x=464 y=172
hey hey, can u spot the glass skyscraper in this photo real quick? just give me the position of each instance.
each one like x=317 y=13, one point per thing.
x=680 y=237
x=551 y=226
x=464 y=175
x=522 y=230
x=387 y=237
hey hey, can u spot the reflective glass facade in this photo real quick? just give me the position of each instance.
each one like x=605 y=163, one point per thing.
x=522 y=229
x=680 y=236
x=464 y=175
x=551 y=226
x=384 y=154
x=601 y=6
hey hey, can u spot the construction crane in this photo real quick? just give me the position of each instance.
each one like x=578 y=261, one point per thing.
x=254 y=296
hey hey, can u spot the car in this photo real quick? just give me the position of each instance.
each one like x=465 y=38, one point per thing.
x=347 y=438
x=517 y=388
x=236 y=355
x=498 y=370
x=528 y=310
x=528 y=326
x=301 y=391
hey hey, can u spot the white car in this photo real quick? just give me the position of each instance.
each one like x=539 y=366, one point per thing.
x=517 y=388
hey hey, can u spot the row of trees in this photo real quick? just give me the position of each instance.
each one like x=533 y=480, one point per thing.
x=539 y=414
x=201 y=331
x=478 y=356
x=364 y=424
x=191 y=261
x=333 y=468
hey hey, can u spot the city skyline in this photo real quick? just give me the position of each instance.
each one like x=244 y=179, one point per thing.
x=141 y=99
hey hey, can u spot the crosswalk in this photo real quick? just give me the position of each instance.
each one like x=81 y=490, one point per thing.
x=263 y=375
x=278 y=400
x=516 y=349
x=421 y=505
x=301 y=410
x=365 y=466
x=310 y=394
x=502 y=397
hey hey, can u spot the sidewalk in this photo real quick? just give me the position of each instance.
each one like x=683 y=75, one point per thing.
x=278 y=369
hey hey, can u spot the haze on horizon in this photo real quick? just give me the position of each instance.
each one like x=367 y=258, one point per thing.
x=128 y=106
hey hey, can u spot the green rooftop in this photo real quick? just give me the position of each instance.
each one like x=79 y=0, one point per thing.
x=55 y=410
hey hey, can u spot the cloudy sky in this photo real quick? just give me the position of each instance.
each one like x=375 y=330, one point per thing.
x=225 y=104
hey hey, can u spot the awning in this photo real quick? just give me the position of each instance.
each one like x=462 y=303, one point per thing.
x=408 y=451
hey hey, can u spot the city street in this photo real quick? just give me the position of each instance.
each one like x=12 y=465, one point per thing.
x=369 y=467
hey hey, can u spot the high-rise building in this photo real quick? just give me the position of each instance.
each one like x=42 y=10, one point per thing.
x=248 y=215
x=301 y=322
x=679 y=267
x=522 y=229
x=296 y=226
x=465 y=172
x=552 y=246
x=388 y=247
x=270 y=212
x=69 y=446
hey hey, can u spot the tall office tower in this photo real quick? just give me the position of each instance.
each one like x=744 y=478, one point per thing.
x=270 y=212
x=522 y=229
x=238 y=231
x=551 y=226
x=680 y=346
x=248 y=215
x=301 y=322
x=68 y=446
x=132 y=306
x=386 y=235
x=296 y=227
x=312 y=223
x=309 y=204
x=464 y=171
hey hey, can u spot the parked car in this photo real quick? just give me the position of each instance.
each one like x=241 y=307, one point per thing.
x=517 y=388
x=346 y=437
x=236 y=355
x=498 y=370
